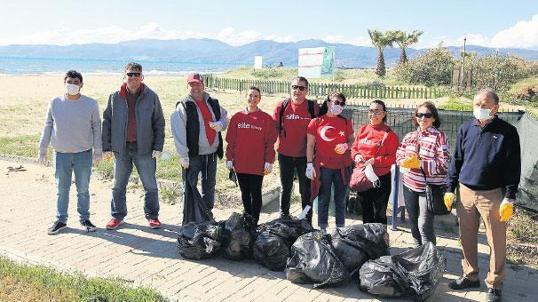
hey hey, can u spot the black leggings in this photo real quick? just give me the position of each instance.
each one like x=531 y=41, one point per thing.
x=251 y=193
x=374 y=201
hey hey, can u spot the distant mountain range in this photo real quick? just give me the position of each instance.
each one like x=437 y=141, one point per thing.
x=208 y=51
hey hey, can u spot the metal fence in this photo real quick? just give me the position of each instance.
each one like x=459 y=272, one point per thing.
x=323 y=89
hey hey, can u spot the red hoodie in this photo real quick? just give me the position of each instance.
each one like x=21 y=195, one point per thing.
x=367 y=143
x=251 y=138
x=295 y=119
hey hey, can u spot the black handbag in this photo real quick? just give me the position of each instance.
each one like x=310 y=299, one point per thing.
x=435 y=197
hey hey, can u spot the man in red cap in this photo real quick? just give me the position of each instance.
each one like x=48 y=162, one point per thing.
x=196 y=125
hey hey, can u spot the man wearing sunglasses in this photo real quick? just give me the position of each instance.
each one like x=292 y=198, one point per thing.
x=487 y=166
x=292 y=116
x=133 y=129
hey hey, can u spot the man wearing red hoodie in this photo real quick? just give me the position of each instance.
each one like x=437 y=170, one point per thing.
x=292 y=116
x=133 y=128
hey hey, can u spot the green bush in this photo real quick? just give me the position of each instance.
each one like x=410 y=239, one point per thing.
x=434 y=67
x=499 y=72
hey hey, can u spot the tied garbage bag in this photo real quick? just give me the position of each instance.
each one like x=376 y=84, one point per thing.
x=272 y=246
x=313 y=260
x=357 y=244
x=199 y=240
x=414 y=272
x=239 y=232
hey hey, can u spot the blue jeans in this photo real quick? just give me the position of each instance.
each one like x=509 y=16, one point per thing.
x=197 y=206
x=420 y=219
x=328 y=178
x=123 y=166
x=64 y=165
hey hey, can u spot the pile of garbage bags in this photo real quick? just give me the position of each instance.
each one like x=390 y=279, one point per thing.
x=272 y=246
x=239 y=233
x=415 y=272
x=199 y=240
x=327 y=259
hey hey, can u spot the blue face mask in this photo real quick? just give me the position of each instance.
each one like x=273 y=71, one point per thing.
x=336 y=109
x=482 y=113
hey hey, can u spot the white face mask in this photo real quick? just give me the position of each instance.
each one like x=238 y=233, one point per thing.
x=482 y=113
x=336 y=109
x=72 y=89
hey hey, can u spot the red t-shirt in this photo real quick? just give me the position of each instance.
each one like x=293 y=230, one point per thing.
x=329 y=132
x=367 y=142
x=295 y=119
x=251 y=140
x=206 y=115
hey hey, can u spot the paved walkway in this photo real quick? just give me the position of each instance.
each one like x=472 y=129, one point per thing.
x=142 y=256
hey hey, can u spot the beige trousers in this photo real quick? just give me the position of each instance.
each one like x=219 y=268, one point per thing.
x=485 y=204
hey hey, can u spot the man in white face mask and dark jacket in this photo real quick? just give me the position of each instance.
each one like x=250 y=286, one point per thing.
x=487 y=166
x=73 y=127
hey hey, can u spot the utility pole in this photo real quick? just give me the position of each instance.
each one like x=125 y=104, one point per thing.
x=462 y=73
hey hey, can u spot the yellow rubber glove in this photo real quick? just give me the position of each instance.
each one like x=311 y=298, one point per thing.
x=411 y=162
x=449 y=200
x=506 y=210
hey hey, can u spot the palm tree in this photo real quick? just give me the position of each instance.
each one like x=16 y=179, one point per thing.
x=404 y=39
x=380 y=41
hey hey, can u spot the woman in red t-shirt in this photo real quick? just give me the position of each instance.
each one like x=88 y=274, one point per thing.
x=376 y=144
x=250 y=151
x=328 y=158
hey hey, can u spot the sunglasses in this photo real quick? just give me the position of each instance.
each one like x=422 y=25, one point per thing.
x=426 y=115
x=133 y=74
x=339 y=103
x=375 y=112
x=301 y=88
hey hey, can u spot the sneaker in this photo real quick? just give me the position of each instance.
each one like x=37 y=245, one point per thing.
x=88 y=225
x=113 y=224
x=56 y=228
x=494 y=295
x=463 y=283
x=154 y=223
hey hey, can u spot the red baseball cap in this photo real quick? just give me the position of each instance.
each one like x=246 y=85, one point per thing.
x=194 y=78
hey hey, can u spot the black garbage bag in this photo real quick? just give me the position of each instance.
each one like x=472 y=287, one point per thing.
x=239 y=233
x=272 y=246
x=357 y=244
x=199 y=240
x=313 y=260
x=414 y=272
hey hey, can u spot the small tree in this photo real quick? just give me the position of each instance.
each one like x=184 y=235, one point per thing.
x=404 y=39
x=380 y=41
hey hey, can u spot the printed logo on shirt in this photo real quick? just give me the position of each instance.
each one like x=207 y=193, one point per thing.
x=293 y=116
x=248 y=126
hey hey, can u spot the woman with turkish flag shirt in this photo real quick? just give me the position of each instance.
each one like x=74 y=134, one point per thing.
x=250 y=151
x=328 y=158
x=376 y=145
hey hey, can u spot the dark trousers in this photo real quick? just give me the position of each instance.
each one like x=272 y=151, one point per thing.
x=374 y=201
x=251 y=193
x=197 y=205
x=288 y=166
x=420 y=219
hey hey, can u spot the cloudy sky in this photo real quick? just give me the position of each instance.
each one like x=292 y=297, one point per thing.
x=493 y=23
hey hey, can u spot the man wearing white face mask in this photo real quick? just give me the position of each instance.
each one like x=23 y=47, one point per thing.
x=487 y=166
x=73 y=127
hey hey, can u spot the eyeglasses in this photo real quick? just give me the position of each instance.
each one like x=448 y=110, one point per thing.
x=375 y=112
x=425 y=115
x=301 y=88
x=133 y=74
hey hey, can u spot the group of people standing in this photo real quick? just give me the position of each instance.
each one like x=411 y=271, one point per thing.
x=316 y=144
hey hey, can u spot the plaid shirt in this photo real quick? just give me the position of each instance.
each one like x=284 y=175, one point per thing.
x=433 y=154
